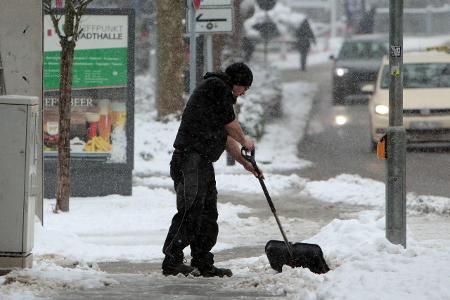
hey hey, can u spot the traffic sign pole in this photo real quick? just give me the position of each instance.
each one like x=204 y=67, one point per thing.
x=209 y=53
x=396 y=134
x=192 y=49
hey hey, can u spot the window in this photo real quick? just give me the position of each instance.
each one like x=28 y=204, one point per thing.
x=362 y=49
x=421 y=75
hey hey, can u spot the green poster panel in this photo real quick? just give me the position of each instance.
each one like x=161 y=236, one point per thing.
x=91 y=68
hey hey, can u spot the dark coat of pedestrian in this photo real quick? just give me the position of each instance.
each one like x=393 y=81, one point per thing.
x=208 y=127
x=304 y=36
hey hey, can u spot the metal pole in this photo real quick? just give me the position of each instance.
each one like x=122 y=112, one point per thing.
x=333 y=18
x=192 y=49
x=396 y=134
x=153 y=58
x=209 y=53
x=266 y=41
x=429 y=21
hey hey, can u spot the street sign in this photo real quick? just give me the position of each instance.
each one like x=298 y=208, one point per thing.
x=197 y=4
x=216 y=3
x=214 y=19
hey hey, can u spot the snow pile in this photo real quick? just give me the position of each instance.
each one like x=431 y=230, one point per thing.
x=237 y=183
x=114 y=228
x=248 y=184
x=355 y=190
x=347 y=188
x=108 y=228
x=364 y=266
x=428 y=204
x=47 y=278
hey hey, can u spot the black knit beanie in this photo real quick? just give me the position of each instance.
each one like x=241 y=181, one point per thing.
x=240 y=74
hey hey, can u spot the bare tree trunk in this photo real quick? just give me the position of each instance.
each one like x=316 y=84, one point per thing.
x=74 y=10
x=217 y=51
x=63 y=167
x=170 y=57
x=237 y=33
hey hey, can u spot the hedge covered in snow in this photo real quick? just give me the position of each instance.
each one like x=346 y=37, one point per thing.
x=262 y=101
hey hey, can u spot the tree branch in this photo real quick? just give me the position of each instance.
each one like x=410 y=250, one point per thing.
x=55 y=19
x=82 y=5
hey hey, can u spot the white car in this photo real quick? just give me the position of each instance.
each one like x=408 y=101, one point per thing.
x=426 y=99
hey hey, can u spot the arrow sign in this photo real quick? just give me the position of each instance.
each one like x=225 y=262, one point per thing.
x=199 y=19
x=213 y=19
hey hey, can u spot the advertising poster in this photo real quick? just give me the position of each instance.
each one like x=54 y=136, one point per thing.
x=99 y=89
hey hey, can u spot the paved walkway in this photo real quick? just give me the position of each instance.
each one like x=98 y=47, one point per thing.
x=155 y=287
x=145 y=281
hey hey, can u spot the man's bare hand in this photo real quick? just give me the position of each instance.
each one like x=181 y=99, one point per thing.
x=249 y=167
x=248 y=144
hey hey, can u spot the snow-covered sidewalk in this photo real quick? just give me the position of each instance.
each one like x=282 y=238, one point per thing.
x=364 y=264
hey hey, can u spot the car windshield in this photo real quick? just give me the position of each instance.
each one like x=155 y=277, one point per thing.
x=423 y=75
x=362 y=49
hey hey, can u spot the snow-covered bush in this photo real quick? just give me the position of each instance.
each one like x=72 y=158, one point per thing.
x=251 y=116
x=262 y=102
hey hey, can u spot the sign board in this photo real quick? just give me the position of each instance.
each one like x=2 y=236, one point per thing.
x=101 y=124
x=215 y=3
x=101 y=54
x=215 y=19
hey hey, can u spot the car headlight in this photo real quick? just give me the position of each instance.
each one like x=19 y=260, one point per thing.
x=341 y=71
x=381 y=109
x=340 y=120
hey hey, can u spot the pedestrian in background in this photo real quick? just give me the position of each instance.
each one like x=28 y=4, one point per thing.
x=208 y=127
x=305 y=36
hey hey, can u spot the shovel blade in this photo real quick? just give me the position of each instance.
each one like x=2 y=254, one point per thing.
x=305 y=255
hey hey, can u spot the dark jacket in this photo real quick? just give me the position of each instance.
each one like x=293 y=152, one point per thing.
x=208 y=110
x=304 y=35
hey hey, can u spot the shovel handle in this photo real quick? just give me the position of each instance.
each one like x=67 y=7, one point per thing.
x=251 y=159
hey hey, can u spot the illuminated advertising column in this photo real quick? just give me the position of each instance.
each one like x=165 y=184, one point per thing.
x=101 y=132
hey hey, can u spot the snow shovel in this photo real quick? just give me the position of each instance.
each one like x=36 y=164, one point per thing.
x=282 y=253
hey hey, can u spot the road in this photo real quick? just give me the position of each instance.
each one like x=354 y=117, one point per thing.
x=346 y=149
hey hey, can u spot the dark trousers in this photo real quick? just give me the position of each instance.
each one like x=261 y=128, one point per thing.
x=195 y=223
x=303 y=56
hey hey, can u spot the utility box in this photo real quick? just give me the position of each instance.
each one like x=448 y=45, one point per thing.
x=18 y=179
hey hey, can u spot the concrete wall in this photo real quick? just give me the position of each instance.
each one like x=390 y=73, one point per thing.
x=21 y=52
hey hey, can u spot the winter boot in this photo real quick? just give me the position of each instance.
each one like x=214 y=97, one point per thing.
x=212 y=271
x=174 y=270
x=173 y=265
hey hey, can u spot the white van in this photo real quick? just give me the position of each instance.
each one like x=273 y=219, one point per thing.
x=426 y=99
